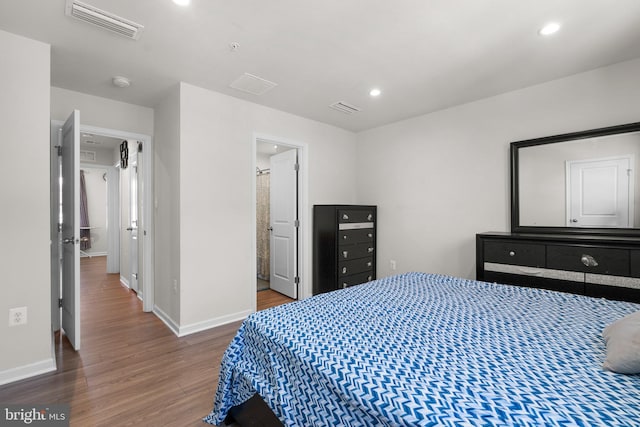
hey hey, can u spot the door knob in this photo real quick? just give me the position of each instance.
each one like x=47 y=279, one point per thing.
x=589 y=261
x=69 y=240
x=574 y=220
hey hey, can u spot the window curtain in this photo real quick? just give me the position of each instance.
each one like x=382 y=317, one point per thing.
x=262 y=224
x=85 y=233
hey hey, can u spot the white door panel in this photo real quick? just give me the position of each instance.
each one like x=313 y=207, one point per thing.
x=71 y=229
x=599 y=193
x=284 y=215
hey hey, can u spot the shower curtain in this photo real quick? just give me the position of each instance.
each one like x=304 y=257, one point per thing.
x=85 y=233
x=262 y=224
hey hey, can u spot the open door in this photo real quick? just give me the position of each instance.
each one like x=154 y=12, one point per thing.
x=284 y=223
x=70 y=229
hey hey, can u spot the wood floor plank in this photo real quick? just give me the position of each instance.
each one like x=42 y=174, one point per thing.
x=131 y=370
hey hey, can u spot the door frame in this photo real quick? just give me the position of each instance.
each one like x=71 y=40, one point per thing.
x=148 y=234
x=304 y=214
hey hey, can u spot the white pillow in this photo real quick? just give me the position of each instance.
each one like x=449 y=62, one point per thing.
x=622 y=338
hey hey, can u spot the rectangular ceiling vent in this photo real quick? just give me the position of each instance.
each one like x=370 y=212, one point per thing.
x=106 y=20
x=252 y=84
x=345 y=107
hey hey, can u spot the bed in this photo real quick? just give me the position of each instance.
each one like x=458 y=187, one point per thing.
x=422 y=349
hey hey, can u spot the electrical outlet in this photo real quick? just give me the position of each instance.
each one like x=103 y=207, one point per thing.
x=17 y=316
x=392 y=265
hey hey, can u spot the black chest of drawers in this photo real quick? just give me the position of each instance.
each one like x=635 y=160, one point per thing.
x=597 y=266
x=344 y=246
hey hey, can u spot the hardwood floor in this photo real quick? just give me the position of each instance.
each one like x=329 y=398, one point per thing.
x=131 y=369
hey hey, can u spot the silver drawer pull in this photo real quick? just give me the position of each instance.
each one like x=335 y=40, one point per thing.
x=370 y=235
x=589 y=261
x=369 y=217
x=345 y=237
x=344 y=286
x=345 y=254
x=512 y=253
x=369 y=250
x=345 y=216
x=344 y=270
x=369 y=264
x=369 y=278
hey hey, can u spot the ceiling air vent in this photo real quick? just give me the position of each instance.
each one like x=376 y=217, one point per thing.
x=252 y=84
x=106 y=20
x=345 y=108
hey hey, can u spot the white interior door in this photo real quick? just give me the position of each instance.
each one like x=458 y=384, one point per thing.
x=284 y=218
x=70 y=234
x=133 y=217
x=599 y=193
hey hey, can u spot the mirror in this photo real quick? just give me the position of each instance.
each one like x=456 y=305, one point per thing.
x=584 y=182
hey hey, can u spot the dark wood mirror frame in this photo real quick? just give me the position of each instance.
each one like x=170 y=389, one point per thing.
x=515 y=198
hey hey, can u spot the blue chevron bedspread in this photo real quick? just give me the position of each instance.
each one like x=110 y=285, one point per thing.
x=431 y=350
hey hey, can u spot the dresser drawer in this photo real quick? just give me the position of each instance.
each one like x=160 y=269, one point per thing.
x=353 y=215
x=347 y=268
x=355 y=236
x=635 y=263
x=356 y=279
x=514 y=253
x=360 y=250
x=589 y=260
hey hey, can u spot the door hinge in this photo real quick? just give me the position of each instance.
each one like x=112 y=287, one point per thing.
x=59 y=147
x=296 y=167
x=59 y=302
x=296 y=280
x=296 y=223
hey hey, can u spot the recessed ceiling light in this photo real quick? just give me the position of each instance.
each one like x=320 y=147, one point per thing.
x=275 y=147
x=548 y=29
x=182 y=2
x=375 y=92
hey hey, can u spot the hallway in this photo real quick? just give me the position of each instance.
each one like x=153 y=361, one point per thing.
x=131 y=369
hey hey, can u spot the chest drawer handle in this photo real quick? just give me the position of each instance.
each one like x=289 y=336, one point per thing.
x=369 y=250
x=369 y=264
x=345 y=216
x=344 y=286
x=345 y=254
x=344 y=270
x=369 y=217
x=345 y=237
x=512 y=253
x=370 y=235
x=589 y=261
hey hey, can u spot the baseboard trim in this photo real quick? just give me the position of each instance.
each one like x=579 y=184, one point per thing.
x=166 y=319
x=27 y=371
x=181 y=331
x=124 y=282
x=212 y=323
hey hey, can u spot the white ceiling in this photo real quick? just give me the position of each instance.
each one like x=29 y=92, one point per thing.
x=424 y=55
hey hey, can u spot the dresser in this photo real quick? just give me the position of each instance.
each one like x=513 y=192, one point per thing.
x=598 y=266
x=344 y=246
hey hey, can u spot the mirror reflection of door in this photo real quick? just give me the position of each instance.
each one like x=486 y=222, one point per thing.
x=600 y=192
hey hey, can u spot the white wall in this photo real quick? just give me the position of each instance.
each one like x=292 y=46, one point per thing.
x=440 y=178
x=215 y=195
x=25 y=247
x=101 y=112
x=167 y=206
